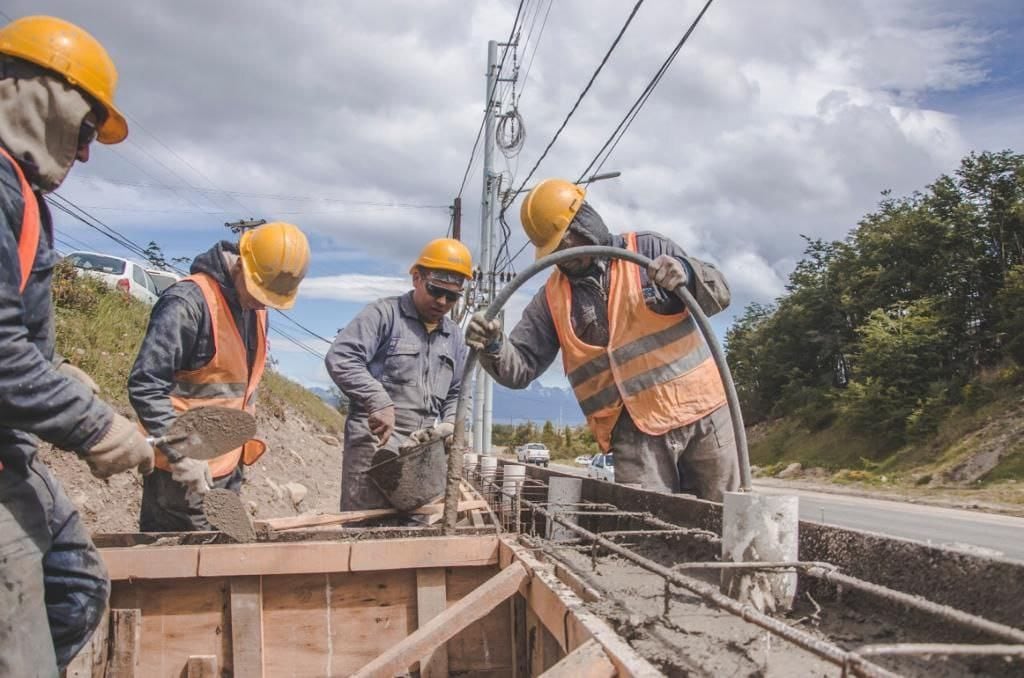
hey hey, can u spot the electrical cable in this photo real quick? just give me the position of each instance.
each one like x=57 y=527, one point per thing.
x=634 y=110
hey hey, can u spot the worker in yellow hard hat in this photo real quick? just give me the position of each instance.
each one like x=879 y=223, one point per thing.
x=642 y=374
x=399 y=362
x=57 y=86
x=206 y=344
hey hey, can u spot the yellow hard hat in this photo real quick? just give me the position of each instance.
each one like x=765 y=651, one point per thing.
x=446 y=254
x=66 y=49
x=547 y=212
x=275 y=257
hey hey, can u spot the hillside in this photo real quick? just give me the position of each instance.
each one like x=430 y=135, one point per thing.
x=100 y=331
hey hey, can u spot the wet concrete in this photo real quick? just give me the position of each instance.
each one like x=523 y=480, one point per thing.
x=226 y=512
x=209 y=432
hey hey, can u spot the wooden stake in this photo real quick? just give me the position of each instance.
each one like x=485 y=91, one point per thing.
x=432 y=600
x=476 y=605
x=125 y=643
x=247 y=626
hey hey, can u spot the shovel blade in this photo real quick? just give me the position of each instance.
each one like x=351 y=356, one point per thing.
x=208 y=432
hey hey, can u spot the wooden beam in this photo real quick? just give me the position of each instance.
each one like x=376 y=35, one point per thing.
x=588 y=660
x=412 y=553
x=165 y=562
x=431 y=600
x=125 y=643
x=446 y=625
x=309 y=557
x=247 y=626
x=298 y=522
x=204 y=666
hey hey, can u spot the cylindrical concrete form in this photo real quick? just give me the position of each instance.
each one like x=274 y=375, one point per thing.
x=512 y=476
x=757 y=527
x=470 y=464
x=488 y=468
x=563 y=493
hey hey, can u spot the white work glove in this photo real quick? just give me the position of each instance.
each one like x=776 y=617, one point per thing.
x=482 y=333
x=78 y=374
x=667 y=272
x=429 y=434
x=193 y=474
x=121 y=449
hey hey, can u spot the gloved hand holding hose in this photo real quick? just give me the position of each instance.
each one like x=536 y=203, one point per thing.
x=483 y=334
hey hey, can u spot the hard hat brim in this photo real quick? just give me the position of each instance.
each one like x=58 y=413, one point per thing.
x=272 y=299
x=114 y=129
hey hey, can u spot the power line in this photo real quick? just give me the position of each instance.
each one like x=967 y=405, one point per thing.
x=536 y=45
x=634 y=110
x=490 y=95
x=576 y=105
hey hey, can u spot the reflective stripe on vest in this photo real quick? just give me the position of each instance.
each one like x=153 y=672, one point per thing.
x=28 y=239
x=225 y=380
x=657 y=367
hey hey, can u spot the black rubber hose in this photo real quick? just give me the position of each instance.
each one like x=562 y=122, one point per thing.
x=455 y=456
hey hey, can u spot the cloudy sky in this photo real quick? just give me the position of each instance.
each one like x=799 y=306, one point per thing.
x=355 y=120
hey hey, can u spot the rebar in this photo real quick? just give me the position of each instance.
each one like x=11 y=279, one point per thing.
x=758 y=565
x=943 y=611
x=824 y=649
x=910 y=649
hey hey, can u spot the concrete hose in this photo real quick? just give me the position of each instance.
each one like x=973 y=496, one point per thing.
x=455 y=454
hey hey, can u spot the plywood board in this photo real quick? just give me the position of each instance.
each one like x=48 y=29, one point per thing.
x=486 y=645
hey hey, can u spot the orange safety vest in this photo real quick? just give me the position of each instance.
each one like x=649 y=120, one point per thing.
x=225 y=380
x=656 y=366
x=28 y=239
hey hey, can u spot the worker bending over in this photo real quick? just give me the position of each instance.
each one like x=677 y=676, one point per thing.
x=636 y=360
x=206 y=344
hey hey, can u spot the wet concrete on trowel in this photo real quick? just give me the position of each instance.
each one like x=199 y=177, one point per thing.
x=226 y=512
x=212 y=431
x=697 y=639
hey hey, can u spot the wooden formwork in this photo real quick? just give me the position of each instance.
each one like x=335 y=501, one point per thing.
x=461 y=605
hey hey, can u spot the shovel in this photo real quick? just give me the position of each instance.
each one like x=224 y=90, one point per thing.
x=206 y=432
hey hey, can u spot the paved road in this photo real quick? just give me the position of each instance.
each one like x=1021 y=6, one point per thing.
x=986 y=533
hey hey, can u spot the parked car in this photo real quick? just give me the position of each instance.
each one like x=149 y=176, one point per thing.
x=602 y=467
x=583 y=460
x=533 y=453
x=121 y=274
x=162 y=279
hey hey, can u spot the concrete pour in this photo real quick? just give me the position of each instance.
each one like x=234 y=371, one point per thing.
x=695 y=639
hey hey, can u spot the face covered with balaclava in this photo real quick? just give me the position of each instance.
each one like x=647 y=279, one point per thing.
x=40 y=119
x=587 y=228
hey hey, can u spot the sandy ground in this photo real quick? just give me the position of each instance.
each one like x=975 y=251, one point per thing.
x=298 y=453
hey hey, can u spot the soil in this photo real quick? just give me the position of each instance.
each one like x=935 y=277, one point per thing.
x=297 y=452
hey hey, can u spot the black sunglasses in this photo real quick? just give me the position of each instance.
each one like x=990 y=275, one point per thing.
x=87 y=133
x=436 y=292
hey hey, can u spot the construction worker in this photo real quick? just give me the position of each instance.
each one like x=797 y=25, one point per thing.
x=635 y=358
x=206 y=344
x=400 y=362
x=56 y=97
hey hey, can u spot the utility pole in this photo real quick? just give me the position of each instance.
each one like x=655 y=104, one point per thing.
x=457 y=219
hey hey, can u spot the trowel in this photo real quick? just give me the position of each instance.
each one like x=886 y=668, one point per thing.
x=205 y=433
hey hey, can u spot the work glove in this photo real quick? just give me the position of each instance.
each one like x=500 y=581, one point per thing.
x=122 y=448
x=78 y=374
x=382 y=424
x=429 y=434
x=482 y=334
x=193 y=474
x=667 y=272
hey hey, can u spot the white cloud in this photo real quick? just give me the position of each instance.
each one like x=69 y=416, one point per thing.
x=353 y=287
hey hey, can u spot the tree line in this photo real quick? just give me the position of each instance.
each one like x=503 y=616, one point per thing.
x=565 y=443
x=889 y=327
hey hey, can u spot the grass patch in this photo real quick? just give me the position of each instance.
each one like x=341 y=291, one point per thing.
x=786 y=441
x=278 y=392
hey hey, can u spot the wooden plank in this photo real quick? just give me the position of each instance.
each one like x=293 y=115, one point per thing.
x=332 y=624
x=482 y=648
x=413 y=553
x=578 y=586
x=438 y=630
x=247 y=626
x=431 y=600
x=125 y=643
x=297 y=522
x=588 y=660
x=308 y=557
x=204 y=666
x=164 y=562
x=91 y=660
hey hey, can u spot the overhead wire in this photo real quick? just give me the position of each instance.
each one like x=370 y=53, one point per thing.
x=634 y=110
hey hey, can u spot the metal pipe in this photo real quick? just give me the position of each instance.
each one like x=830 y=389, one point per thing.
x=826 y=650
x=905 y=649
x=946 y=612
x=455 y=455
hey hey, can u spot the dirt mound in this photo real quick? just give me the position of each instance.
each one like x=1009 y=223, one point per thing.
x=298 y=452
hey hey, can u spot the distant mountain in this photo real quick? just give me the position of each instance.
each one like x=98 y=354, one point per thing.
x=537 y=403
x=330 y=397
